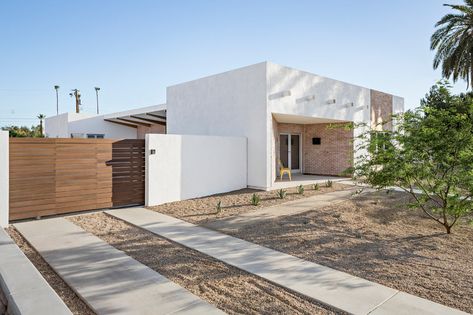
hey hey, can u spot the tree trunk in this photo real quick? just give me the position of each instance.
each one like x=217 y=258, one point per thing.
x=448 y=228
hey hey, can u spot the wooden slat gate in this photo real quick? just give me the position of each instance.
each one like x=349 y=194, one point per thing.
x=56 y=176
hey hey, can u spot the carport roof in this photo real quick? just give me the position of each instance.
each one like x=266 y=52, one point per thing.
x=145 y=116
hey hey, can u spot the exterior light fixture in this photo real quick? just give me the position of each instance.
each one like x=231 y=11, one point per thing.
x=307 y=98
x=351 y=104
x=280 y=94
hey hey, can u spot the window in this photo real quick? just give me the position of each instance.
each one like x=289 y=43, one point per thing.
x=95 y=136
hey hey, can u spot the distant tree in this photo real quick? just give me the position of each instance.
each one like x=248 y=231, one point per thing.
x=429 y=155
x=41 y=117
x=22 y=131
x=453 y=41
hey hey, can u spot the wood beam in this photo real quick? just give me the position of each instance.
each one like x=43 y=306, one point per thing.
x=157 y=122
x=158 y=116
x=121 y=123
x=134 y=122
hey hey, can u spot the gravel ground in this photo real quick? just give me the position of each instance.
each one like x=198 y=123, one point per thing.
x=230 y=289
x=75 y=304
x=376 y=237
x=202 y=210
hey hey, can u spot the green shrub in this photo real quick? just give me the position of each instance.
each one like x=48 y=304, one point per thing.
x=315 y=186
x=255 y=199
x=328 y=183
x=300 y=190
x=281 y=193
x=218 y=207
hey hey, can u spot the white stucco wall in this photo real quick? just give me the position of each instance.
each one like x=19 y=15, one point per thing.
x=4 y=178
x=57 y=126
x=187 y=166
x=98 y=125
x=321 y=90
x=233 y=103
x=62 y=126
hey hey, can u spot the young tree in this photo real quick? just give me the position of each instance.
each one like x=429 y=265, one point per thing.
x=429 y=154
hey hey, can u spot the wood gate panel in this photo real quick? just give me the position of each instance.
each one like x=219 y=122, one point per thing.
x=128 y=166
x=56 y=176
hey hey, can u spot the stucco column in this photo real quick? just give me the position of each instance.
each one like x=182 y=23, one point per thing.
x=4 y=178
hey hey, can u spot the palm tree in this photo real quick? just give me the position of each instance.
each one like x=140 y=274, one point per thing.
x=41 y=117
x=453 y=41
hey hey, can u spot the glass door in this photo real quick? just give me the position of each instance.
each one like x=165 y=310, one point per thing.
x=295 y=151
x=289 y=151
x=284 y=149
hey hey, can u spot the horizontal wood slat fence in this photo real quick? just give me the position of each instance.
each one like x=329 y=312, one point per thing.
x=56 y=176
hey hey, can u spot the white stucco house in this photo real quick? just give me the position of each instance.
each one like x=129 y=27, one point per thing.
x=283 y=113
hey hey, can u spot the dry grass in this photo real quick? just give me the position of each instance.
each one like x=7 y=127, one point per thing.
x=201 y=210
x=228 y=288
x=75 y=304
x=376 y=237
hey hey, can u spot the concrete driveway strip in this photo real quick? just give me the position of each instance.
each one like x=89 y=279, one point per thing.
x=108 y=280
x=328 y=286
x=25 y=290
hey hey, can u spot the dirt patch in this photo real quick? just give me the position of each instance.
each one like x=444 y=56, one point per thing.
x=202 y=210
x=228 y=288
x=377 y=237
x=73 y=302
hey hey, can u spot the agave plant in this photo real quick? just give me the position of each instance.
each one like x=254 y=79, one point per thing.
x=255 y=199
x=300 y=190
x=281 y=193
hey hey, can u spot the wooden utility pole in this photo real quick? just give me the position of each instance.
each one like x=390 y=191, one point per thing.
x=76 y=94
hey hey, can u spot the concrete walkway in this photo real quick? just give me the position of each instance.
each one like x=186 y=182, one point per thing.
x=287 y=208
x=23 y=289
x=328 y=286
x=108 y=280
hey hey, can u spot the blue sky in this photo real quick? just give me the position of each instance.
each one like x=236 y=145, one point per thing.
x=132 y=50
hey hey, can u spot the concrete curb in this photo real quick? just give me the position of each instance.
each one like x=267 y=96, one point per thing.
x=23 y=290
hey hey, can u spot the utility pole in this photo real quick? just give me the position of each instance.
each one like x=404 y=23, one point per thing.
x=76 y=94
x=97 y=89
x=56 y=87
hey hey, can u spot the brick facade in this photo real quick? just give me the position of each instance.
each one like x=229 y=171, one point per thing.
x=333 y=156
x=381 y=110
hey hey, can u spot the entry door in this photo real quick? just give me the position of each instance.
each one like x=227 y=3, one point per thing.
x=289 y=150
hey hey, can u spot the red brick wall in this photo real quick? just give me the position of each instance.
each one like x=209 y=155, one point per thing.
x=335 y=153
x=332 y=157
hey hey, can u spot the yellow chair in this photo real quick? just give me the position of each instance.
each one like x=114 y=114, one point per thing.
x=284 y=170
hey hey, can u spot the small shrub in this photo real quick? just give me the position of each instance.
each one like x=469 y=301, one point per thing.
x=281 y=193
x=315 y=186
x=300 y=190
x=255 y=199
x=218 y=207
x=328 y=183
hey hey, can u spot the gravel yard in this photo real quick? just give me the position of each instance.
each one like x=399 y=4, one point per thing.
x=75 y=304
x=201 y=210
x=376 y=237
x=230 y=289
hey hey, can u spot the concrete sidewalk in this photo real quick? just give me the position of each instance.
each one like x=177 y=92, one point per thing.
x=328 y=286
x=288 y=208
x=108 y=280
